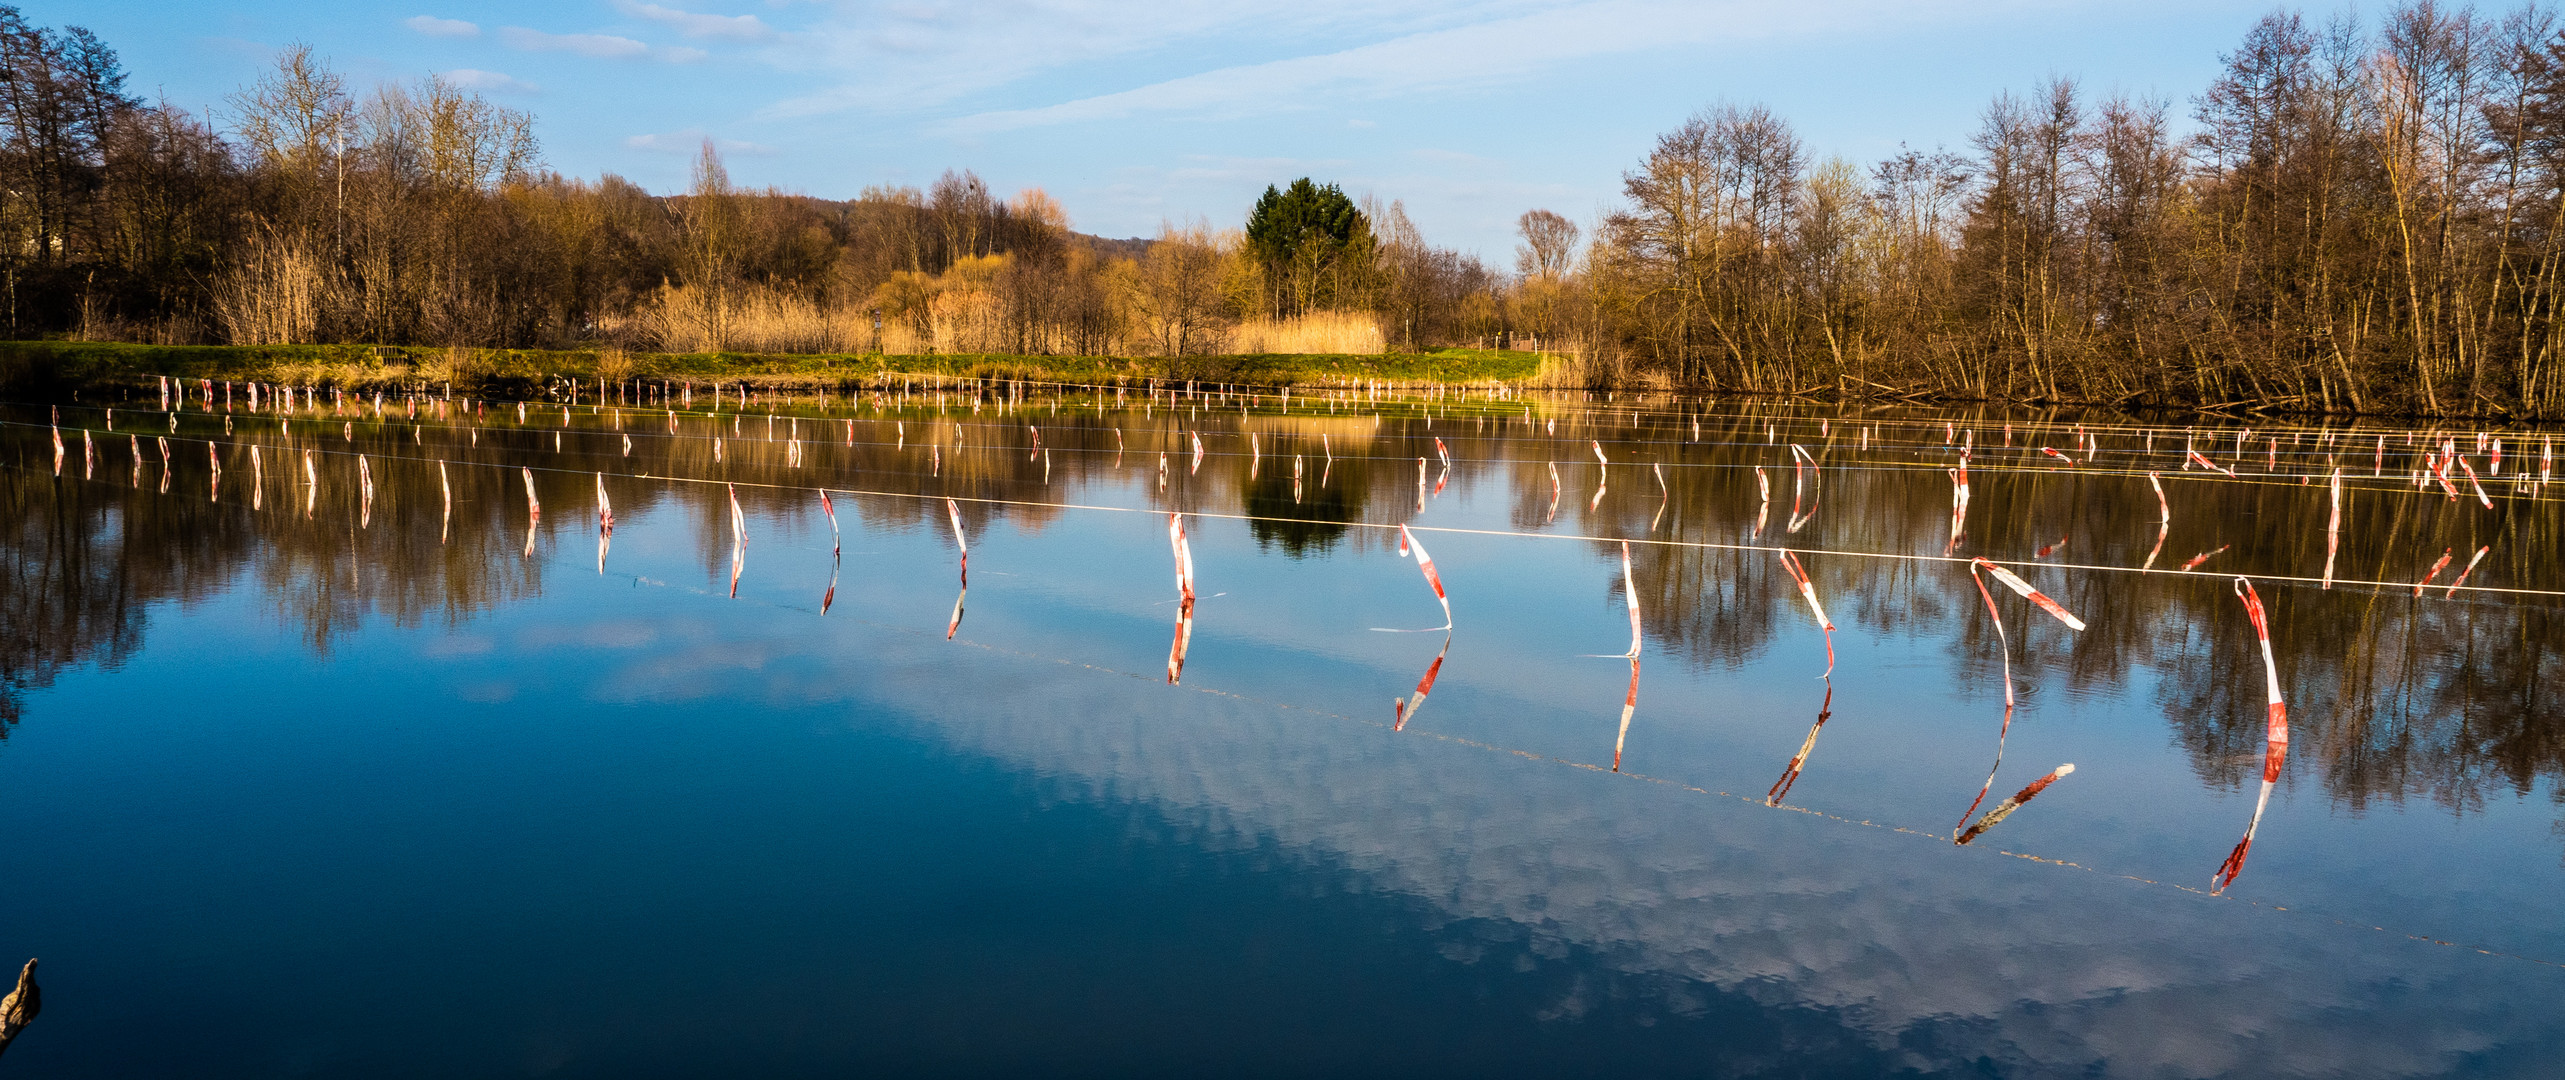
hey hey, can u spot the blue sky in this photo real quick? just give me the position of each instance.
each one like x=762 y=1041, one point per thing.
x=1132 y=113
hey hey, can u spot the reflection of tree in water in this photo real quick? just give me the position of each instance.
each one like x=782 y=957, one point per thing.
x=2392 y=697
x=1314 y=524
x=1712 y=607
x=2439 y=700
x=64 y=598
x=83 y=561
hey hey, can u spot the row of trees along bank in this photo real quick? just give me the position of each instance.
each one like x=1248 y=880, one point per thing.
x=2354 y=216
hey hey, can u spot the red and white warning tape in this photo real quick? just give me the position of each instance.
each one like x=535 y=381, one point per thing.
x=2275 y=749
x=1790 y=562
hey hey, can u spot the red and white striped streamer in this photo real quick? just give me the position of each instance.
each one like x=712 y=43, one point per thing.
x=2472 y=482
x=1175 y=650
x=1405 y=709
x=1183 y=556
x=2436 y=568
x=830 y=508
x=738 y=539
x=1630 y=590
x=1629 y=700
x=2005 y=809
x=1803 y=469
x=1807 y=590
x=1425 y=563
x=2275 y=750
x=2015 y=583
x=2462 y=574
x=2061 y=457
x=1763 y=508
x=1958 y=505
x=2004 y=652
x=2439 y=470
x=2333 y=528
x=1790 y=774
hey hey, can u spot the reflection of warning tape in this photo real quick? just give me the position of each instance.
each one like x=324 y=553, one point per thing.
x=1791 y=562
x=2438 y=459
x=1705 y=545
x=1630 y=700
x=1407 y=542
x=2004 y=650
x=953 y=511
x=2275 y=751
x=1497 y=403
x=1537 y=756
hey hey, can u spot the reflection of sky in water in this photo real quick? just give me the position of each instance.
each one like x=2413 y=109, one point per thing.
x=565 y=822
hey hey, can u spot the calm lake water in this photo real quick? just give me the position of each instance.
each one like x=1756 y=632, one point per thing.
x=306 y=782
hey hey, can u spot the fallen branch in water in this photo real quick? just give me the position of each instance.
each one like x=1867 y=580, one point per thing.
x=20 y=1007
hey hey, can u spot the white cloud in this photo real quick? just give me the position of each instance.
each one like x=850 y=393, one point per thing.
x=674 y=142
x=926 y=52
x=604 y=46
x=1940 y=956
x=1494 y=52
x=477 y=79
x=691 y=140
x=432 y=26
x=1316 y=52
x=692 y=24
x=601 y=46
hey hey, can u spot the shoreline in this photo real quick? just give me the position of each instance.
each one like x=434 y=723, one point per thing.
x=84 y=364
x=74 y=366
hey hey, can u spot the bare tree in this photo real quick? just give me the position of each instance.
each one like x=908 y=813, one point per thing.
x=1549 y=244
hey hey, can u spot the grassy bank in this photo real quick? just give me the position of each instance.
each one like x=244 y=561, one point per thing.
x=75 y=365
